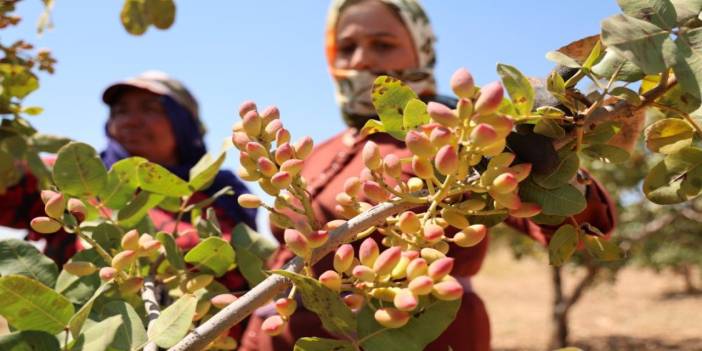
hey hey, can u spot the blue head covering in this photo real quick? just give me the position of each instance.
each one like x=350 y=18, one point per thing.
x=190 y=148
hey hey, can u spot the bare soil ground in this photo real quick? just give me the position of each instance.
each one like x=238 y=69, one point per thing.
x=641 y=311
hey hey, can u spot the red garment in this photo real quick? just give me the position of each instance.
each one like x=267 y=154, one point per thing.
x=326 y=170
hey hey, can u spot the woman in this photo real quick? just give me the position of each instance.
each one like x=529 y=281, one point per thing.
x=155 y=117
x=366 y=38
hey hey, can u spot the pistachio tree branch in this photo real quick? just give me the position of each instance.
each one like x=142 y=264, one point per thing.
x=262 y=293
x=149 y=294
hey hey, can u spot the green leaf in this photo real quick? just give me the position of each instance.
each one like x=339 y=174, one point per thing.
x=204 y=172
x=556 y=85
x=562 y=59
x=563 y=201
x=252 y=251
x=107 y=235
x=319 y=344
x=159 y=180
x=548 y=219
x=423 y=328
x=629 y=72
x=594 y=56
x=133 y=17
x=32 y=110
x=208 y=226
x=688 y=68
x=76 y=323
x=48 y=143
x=98 y=336
x=174 y=322
x=38 y=168
x=29 y=305
x=562 y=245
x=659 y=12
x=549 y=128
x=626 y=94
x=138 y=208
x=415 y=114
x=131 y=334
x=550 y=112
x=372 y=126
x=9 y=174
x=122 y=182
x=602 y=133
x=390 y=96
x=668 y=135
x=645 y=44
x=564 y=172
x=78 y=170
x=161 y=13
x=79 y=289
x=520 y=90
x=213 y=253
x=29 y=340
x=676 y=178
x=173 y=254
x=21 y=257
x=602 y=250
x=687 y=9
x=606 y=153
x=18 y=81
x=335 y=316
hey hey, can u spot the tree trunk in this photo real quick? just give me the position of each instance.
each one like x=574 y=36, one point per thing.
x=559 y=314
x=686 y=273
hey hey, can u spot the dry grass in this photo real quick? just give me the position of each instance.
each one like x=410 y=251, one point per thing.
x=641 y=311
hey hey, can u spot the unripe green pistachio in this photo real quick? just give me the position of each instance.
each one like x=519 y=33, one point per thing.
x=391 y=318
x=296 y=242
x=371 y=156
x=419 y=144
x=273 y=325
x=405 y=300
x=80 y=268
x=343 y=258
x=368 y=252
x=462 y=83
x=249 y=201
x=470 y=236
x=443 y=115
x=55 y=206
x=45 y=225
x=446 y=160
x=490 y=98
x=447 y=290
x=331 y=280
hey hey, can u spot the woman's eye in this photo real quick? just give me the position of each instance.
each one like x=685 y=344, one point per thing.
x=346 y=49
x=383 y=46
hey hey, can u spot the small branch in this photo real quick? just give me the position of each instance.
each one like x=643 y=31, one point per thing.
x=274 y=284
x=583 y=284
x=149 y=294
x=105 y=256
x=622 y=107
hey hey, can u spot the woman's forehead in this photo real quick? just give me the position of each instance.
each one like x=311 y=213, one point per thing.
x=370 y=18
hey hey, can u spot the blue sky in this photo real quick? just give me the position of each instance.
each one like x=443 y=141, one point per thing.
x=270 y=51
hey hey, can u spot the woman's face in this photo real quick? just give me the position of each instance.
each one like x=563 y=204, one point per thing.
x=370 y=36
x=139 y=123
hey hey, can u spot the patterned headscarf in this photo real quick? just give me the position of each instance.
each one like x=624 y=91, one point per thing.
x=353 y=87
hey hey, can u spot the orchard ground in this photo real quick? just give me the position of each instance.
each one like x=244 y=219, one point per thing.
x=641 y=311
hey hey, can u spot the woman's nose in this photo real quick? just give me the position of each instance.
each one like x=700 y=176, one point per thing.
x=361 y=59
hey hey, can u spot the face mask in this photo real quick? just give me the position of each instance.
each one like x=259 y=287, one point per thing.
x=354 y=89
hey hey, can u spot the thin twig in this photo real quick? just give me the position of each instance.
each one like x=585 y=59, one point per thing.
x=149 y=294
